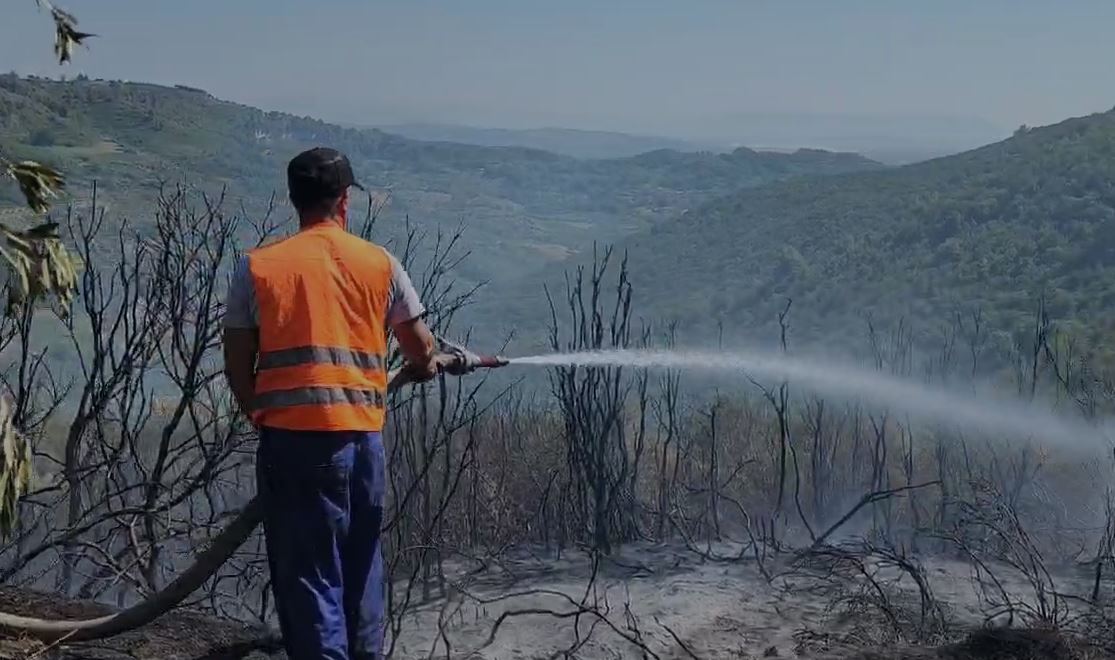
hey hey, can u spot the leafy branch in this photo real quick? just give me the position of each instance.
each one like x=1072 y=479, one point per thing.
x=39 y=183
x=38 y=266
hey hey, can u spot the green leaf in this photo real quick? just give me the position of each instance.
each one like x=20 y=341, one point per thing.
x=15 y=469
x=38 y=183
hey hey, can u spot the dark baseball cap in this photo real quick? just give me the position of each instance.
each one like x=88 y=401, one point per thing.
x=319 y=175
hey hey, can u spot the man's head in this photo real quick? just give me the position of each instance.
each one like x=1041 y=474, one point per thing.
x=318 y=181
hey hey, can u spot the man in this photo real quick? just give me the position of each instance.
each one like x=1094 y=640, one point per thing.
x=305 y=345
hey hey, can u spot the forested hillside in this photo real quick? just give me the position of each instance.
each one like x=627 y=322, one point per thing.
x=988 y=231
x=522 y=208
x=993 y=228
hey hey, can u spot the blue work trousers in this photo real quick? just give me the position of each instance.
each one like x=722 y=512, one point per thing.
x=323 y=496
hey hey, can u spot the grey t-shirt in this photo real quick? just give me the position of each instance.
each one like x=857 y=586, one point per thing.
x=242 y=311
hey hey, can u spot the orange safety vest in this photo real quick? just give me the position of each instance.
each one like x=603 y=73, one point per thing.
x=323 y=298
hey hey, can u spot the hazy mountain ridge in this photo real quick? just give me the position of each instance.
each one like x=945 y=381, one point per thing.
x=890 y=139
x=578 y=143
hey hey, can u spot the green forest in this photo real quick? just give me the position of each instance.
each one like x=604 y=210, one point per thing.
x=988 y=232
x=994 y=229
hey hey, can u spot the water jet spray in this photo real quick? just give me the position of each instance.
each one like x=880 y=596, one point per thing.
x=967 y=411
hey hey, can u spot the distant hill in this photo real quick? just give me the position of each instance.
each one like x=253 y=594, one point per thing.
x=896 y=139
x=523 y=208
x=567 y=141
x=992 y=229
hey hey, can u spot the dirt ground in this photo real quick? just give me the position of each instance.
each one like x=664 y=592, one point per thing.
x=671 y=600
x=181 y=635
x=681 y=606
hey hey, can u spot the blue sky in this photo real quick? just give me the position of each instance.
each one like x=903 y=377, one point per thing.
x=657 y=66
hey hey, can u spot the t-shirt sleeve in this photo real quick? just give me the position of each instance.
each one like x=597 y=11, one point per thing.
x=241 y=309
x=404 y=305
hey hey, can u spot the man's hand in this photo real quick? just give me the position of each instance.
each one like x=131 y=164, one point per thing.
x=420 y=373
x=456 y=360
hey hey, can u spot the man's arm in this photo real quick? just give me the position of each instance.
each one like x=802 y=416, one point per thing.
x=404 y=316
x=241 y=346
x=417 y=345
x=241 y=337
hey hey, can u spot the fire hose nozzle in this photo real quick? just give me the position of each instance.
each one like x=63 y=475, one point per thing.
x=492 y=361
x=451 y=359
x=459 y=360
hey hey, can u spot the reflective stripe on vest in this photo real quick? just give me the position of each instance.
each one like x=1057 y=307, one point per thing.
x=305 y=396
x=322 y=296
x=289 y=357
